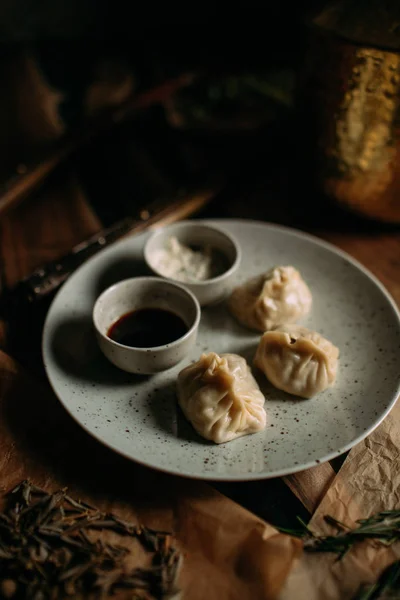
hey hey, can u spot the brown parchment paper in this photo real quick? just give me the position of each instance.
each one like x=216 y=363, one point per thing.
x=228 y=552
x=368 y=482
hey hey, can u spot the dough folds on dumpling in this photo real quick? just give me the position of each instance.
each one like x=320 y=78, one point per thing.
x=264 y=301
x=297 y=360
x=221 y=398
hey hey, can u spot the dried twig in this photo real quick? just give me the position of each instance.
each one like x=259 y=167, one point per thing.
x=46 y=552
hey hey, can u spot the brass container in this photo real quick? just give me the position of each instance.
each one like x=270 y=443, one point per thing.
x=349 y=112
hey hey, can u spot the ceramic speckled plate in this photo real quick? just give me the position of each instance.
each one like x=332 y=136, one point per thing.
x=139 y=418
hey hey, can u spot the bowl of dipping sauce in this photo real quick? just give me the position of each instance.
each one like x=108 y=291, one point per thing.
x=203 y=258
x=145 y=325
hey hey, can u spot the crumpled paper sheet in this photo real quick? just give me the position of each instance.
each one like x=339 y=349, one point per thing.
x=229 y=553
x=367 y=483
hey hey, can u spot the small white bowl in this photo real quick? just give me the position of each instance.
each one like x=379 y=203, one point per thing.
x=196 y=233
x=138 y=293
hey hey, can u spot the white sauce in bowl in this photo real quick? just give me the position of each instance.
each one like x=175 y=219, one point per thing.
x=182 y=263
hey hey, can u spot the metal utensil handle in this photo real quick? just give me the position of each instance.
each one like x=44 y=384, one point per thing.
x=48 y=278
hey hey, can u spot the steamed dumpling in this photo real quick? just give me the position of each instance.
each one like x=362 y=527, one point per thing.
x=264 y=301
x=221 y=398
x=297 y=360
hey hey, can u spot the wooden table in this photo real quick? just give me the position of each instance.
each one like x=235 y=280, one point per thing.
x=60 y=215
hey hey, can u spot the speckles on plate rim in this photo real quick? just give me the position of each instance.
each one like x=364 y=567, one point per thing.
x=314 y=430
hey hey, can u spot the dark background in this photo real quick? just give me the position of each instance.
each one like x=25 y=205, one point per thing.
x=54 y=54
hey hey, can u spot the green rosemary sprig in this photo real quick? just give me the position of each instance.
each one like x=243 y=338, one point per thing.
x=384 y=527
x=386 y=588
x=303 y=532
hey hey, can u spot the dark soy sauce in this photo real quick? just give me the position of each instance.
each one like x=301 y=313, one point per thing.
x=147 y=328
